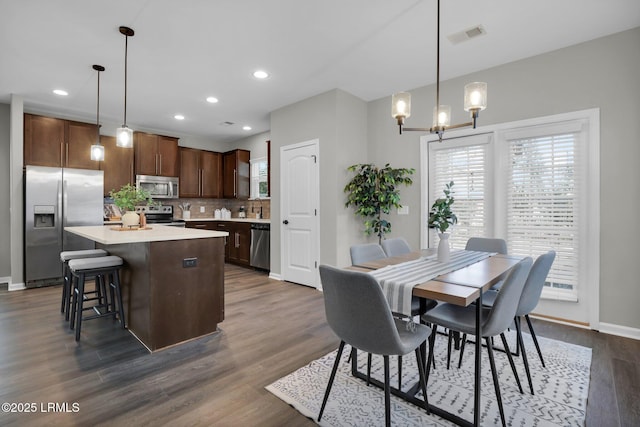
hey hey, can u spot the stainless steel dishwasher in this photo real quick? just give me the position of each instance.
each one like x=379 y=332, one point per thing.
x=260 y=241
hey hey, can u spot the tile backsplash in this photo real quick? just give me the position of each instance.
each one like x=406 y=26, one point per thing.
x=251 y=207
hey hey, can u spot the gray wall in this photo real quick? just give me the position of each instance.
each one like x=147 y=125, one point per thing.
x=601 y=73
x=338 y=120
x=5 y=224
x=257 y=144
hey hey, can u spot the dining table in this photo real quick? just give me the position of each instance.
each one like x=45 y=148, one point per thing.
x=461 y=285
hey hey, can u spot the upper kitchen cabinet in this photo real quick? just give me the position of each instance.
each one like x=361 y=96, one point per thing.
x=117 y=165
x=236 y=174
x=200 y=173
x=156 y=154
x=56 y=142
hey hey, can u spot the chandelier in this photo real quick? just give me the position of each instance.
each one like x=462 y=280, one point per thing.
x=475 y=100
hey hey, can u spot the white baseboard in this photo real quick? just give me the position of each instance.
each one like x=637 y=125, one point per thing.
x=16 y=286
x=622 y=331
x=275 y=276
x=605 y=328
x=5 y=279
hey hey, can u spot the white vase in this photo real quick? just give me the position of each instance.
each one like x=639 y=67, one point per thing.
x=443 y=247
x=130 y=219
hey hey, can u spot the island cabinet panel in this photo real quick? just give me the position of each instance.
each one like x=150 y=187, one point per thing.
x=156 y=154
x=53 y=142
x=200 y=173
x=168 y=300
x=117 y=165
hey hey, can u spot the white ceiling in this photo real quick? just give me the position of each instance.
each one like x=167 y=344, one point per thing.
x=184 y=51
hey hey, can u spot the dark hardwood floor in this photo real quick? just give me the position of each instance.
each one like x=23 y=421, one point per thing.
x=271 y=328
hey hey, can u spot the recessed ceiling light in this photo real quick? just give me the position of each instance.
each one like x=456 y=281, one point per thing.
x=61 y=92
x=246 y=127
x=212 y=99
x=178 y=117
x=260 y=74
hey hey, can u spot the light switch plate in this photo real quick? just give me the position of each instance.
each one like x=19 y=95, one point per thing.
x=201 y=209
x=403 y=210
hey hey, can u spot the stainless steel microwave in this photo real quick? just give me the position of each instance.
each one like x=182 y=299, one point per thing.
x=160 y=187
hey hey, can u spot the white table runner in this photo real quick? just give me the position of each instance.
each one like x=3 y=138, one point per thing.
x=397 y=281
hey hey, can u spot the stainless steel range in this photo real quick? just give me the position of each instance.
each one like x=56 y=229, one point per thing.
x=160 y=215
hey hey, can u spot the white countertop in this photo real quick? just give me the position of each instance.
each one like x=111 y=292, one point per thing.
x=254 y=220
x=158 y=233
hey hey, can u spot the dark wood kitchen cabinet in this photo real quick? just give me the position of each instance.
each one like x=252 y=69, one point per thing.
x=49 y=141
x=200 y=173
x=236 y=174
x=117 y=165
x=238 y=245
x=156 y=154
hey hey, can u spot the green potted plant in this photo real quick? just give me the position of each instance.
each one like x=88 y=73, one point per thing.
x=373 y=192
x=441 y=217
x=127 y=198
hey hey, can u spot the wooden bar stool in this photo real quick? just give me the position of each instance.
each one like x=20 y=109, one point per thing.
x=106 y=270
x=65 y=257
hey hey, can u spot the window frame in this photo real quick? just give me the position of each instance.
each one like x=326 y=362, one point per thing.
x=590 y=273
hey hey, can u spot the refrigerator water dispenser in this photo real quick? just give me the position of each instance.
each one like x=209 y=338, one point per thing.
x=44 y=216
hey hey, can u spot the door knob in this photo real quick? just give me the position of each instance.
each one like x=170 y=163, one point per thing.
x=285 y=222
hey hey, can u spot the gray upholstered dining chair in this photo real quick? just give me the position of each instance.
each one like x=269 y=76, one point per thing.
x=496 y=320
x=486 y=244
x=395 y=246
x=366 y=252
x=359 y=314
x=372 y=252
x=481 y=244
x=528 y=301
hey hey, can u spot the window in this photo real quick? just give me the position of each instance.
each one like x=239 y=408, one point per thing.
x=259 y=178
x=533 y=183
x=464 y=163
x=543 y=201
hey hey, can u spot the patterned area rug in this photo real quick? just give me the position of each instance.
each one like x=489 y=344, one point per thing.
x=560 y=398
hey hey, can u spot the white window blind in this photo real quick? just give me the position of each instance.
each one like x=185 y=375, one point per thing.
x=543 y=203
x=463 y=162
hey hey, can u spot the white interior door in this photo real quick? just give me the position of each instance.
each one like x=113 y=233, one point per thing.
x=300 y=202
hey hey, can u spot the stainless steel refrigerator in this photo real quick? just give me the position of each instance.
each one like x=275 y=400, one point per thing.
x=56 y=198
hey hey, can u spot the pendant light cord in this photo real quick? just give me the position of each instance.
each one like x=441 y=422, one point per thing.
x=98 y=110
x=438 y=69
x=126 y=46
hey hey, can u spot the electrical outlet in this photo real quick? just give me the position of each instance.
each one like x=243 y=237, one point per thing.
x=404 y=210
x=201 y=209
x=189 y=262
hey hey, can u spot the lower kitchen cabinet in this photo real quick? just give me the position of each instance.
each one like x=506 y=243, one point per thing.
x=240 y=245
x=237 y=245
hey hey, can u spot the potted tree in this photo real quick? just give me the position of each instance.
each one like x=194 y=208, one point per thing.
x=127 y=198
x=373 y=192
x=441 y=217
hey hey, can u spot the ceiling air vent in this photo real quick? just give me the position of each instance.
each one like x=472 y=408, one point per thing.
x=227 y=123
x=467 y=34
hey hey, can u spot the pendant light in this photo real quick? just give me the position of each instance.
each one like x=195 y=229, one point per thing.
x=475 y=100
x=97 y=150
x=124 y=135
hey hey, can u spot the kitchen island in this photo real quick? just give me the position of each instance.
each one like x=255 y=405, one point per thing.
x=172 y=280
